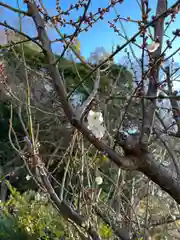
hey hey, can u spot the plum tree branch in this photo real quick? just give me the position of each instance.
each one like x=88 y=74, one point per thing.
x=154 y=72
x=78 y=28
x=161 y=175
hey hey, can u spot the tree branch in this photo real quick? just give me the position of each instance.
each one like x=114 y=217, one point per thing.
x=121 y=233
x=154 y=72
x=161 y=176
x=86 y=7
x=4 y=24
x=14 y=9
x=53 y=69
x=90 y=98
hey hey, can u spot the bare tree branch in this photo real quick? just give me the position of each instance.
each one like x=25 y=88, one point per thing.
x=86 y=7
x=154 y=73
x=91 y=97
x=14 y=9
x=161 y=176
x=21 y=33
x=122 y=234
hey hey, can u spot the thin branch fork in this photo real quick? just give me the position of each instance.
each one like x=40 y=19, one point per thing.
x=53 y=69
x=81 y=111
x=77 y=29
x=174 y=103
x=4 y=24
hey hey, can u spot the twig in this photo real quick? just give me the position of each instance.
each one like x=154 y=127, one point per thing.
x=82 y=109
x=21 y=33
x=14 y=9
x=12 y=44
x=77 y=29
x=67 y=167
x=154 y=73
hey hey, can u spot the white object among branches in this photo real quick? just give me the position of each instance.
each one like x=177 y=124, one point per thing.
x=153 y=46
x=95 y=124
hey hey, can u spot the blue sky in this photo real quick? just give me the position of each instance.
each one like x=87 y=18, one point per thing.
x=100 y=35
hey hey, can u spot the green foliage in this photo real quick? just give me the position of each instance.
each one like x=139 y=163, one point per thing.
x=105 y=231
x=34 y=214
x=9 y=229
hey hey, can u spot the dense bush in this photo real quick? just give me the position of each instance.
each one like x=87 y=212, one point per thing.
x=29 y=216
